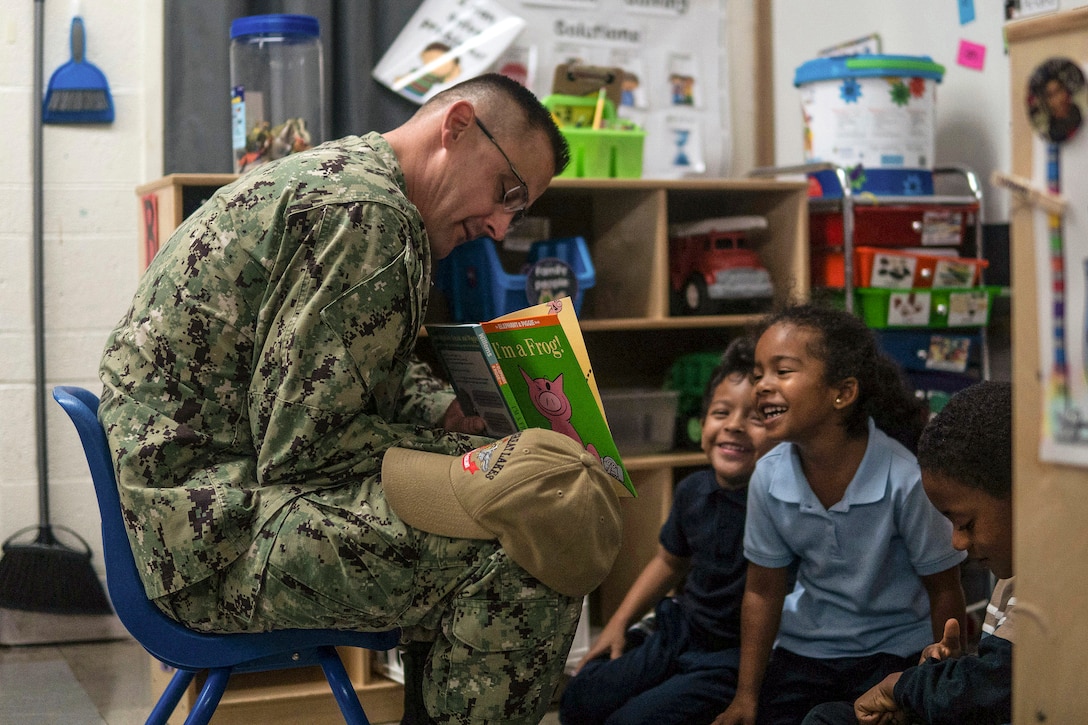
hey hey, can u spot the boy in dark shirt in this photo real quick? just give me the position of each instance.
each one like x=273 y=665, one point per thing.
x=685 y=671
x=965 y=454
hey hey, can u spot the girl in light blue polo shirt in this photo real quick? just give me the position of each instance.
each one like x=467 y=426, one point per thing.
x=841 y=499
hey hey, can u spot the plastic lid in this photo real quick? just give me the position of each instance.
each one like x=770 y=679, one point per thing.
x=863 y=66
x=275 y=25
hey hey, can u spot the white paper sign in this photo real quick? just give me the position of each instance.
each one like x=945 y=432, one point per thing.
x=444 y=42
x=908 y=308
x=673 y=54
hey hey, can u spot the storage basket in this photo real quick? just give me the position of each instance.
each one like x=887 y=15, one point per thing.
x=905 y=225
x=607 y=152
x=478 y=288
x=902 y=269
x=874 y=115
x=924 y=307
x=642 y=420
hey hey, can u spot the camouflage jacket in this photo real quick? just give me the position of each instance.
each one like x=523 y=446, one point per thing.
x=267 y=353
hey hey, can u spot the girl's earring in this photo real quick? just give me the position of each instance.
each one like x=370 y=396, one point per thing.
x=838 y=400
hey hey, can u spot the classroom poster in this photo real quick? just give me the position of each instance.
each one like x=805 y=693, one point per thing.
x=673 y=57
x=444 y=42
x=1061 y=263
x=675 y=83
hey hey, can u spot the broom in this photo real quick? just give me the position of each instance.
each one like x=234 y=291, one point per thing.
x=44 y=575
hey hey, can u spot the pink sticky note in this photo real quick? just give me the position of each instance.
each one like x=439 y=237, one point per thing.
x=971 y=55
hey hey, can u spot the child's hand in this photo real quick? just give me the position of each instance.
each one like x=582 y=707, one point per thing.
x=610 y=642
x=877 y=706
x=742 y=711
x=948 y=648
x=455 y=420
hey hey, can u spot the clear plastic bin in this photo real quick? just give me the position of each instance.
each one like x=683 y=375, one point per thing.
x=642 y=420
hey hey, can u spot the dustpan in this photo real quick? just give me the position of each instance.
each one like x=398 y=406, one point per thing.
x=78 y=91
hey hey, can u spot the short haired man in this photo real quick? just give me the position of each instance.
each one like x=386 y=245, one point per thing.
x=265 y=368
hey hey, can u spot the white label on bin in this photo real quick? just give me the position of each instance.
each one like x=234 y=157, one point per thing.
x=892 y=271
x=550 y=279
x=909 y=308
x=967 y=308
x=953 y=273
x=942 y=228
x=948 y=353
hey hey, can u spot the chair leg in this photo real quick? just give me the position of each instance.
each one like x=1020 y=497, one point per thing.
x=170 y=697
x=209 y=696
x=341 y=686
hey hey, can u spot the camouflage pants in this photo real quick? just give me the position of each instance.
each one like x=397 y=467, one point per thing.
x=329 y=560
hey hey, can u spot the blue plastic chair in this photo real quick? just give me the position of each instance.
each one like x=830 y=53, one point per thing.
x=186 y=650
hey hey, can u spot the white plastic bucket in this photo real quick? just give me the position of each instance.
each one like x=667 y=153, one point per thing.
x=873 y=115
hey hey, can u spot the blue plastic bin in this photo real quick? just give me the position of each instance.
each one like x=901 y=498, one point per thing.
x=922 y=350
x=477 y=288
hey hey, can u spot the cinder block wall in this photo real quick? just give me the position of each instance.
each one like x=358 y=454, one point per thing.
x=90 y=237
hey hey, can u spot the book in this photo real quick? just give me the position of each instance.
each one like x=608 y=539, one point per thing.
x=530 y=369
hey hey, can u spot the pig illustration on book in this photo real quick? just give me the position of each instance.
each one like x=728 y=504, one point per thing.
x=548 y=398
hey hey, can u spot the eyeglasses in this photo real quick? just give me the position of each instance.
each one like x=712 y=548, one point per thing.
x=515 y=199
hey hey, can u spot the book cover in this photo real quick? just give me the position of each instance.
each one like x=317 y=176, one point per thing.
x=539 y=365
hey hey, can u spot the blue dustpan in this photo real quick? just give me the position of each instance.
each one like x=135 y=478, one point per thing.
x=78 y=91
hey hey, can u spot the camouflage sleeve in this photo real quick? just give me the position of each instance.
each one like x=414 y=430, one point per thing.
x=425 y=397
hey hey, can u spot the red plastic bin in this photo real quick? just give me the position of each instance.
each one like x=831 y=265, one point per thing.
x=904 y=225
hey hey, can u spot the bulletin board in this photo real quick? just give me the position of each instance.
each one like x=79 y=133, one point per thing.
x=674 y=58
x=671 y=57
x=1051 y=96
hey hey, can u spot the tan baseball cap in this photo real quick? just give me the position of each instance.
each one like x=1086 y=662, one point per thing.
x=540 y=493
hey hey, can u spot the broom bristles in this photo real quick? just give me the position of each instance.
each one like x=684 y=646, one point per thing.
x=77 y=99
x=52 y=579
x=78 y=105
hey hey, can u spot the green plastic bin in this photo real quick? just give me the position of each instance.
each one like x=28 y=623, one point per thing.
x=926 y=307
x=609 y=153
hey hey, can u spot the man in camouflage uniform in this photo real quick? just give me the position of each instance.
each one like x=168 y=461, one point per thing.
x=266 y=365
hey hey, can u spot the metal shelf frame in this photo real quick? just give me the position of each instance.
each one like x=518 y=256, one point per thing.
x=849 y=201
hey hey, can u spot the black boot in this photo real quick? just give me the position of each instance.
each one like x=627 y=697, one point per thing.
x=413 y=657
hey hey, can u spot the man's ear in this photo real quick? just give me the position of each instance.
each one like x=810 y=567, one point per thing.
x=456 y=122
x=846 y=392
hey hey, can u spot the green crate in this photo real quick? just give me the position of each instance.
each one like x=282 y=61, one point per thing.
x=688 y=375
x=610 y=153
x=926 y=307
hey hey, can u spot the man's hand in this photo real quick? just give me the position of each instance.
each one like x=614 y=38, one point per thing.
x=877 y=706
x=948 y=648
x=455 y=420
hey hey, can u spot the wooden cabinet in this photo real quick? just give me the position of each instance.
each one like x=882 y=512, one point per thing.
x=631 y=337
x=1049 y=501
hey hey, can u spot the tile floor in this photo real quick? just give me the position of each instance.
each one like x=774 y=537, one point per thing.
x=101 y=683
